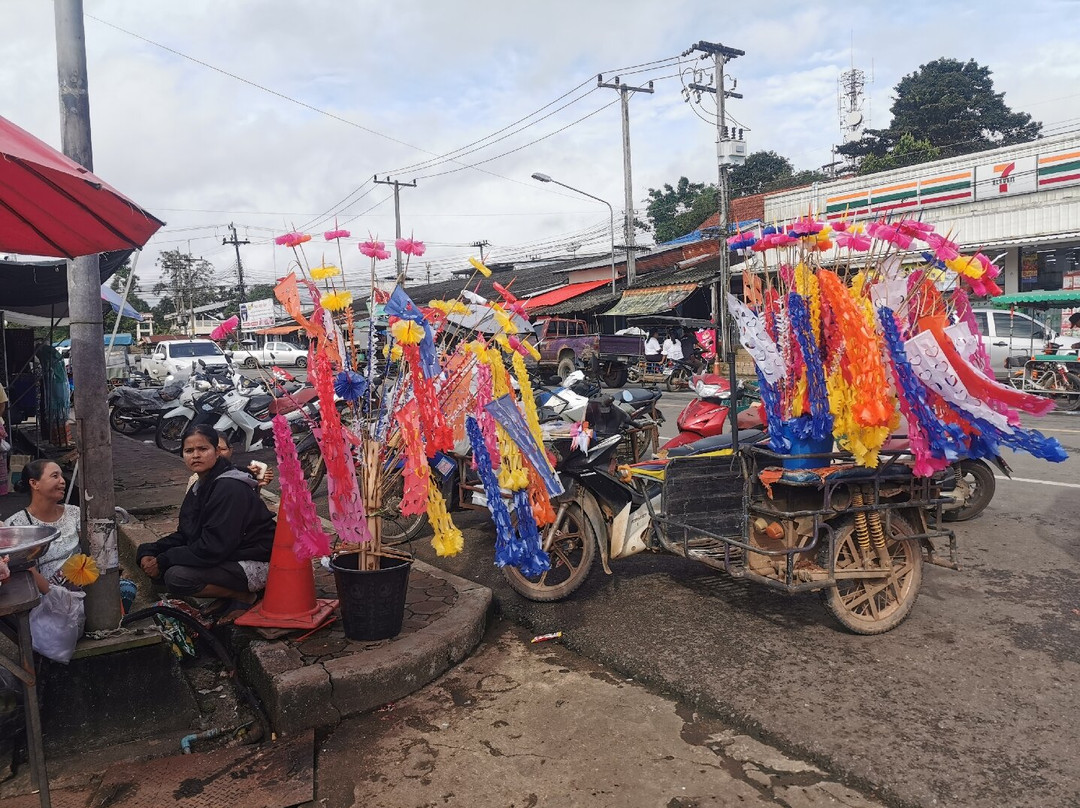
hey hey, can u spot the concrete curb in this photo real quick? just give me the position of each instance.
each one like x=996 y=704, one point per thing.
x=300 y=696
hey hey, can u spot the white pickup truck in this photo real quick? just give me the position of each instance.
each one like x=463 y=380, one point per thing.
x=273 y=353
x=177 y=357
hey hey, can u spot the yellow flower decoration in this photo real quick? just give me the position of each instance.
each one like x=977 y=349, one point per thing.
x=449 y=306
x=396 y=353
x=448 y=540
x=483 y=270
x=80 y=569
x=336 y=301
x=407 y=332
x=324 y=272
x=966 y=265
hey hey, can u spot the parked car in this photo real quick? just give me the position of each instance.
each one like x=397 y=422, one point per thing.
x=1007 y=334
x=273 y=353
x=565 y=344
x=177 y=357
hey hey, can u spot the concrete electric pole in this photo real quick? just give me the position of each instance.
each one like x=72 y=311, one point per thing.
x=480 y=246
x=92 y=436
x=624 y=98
x=721 y=55
x=239 y=266
x=397 y=218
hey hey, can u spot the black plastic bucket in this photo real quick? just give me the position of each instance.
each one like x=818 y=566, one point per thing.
x=372 y=602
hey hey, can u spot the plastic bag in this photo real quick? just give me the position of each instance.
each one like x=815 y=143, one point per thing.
x=57 y=623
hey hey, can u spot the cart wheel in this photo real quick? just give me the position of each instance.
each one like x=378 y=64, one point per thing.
x=398 y=529
x=572 y=553
x=881 y=603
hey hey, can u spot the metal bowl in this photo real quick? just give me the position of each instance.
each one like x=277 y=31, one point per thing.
x=24 y=544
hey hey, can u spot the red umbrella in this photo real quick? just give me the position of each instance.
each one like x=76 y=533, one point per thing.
x=50 y=205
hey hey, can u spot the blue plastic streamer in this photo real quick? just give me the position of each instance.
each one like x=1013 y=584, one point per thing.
x=506 y=412
x=988 y=437
x=799 y=316
x=508 y=550
x=770 y=400
x=401 y=305
x=534 y=561
x=943 y=440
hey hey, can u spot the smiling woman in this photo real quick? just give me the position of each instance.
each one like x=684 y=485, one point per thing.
x=47 y=487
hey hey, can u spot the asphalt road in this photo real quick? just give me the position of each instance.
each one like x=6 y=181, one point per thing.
x=972 y=701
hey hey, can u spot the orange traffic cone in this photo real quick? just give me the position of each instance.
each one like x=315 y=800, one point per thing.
x=290 y=600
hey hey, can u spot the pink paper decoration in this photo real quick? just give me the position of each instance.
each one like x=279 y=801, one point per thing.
x=296 y=503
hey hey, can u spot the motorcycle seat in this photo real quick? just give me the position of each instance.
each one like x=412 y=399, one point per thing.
x=639 y=395
x=714 y=443
x=256 y=403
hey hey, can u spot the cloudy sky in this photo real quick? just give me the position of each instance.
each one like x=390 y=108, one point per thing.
x=275 y=114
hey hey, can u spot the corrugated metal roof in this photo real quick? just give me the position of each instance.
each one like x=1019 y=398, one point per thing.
x=563 y=293
x=599 y=298
x=650 y=301
x=1060 y=298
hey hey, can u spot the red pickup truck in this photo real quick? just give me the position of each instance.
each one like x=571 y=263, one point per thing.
x=565 y=345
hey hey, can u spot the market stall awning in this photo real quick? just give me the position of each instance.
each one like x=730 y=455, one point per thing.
x=278 y=330
x=1058 y=299
x=563 y=293
x=51 y=205
x=652 y=300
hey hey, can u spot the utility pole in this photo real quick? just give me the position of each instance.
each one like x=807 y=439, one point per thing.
x=480 y=246
x=92 y=437
x=239 y=266
x=624 y=97
x=721 y=55
x=397 y=218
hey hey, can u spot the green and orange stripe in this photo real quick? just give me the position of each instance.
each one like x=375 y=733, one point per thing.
x=1058 y=168
x=948 y=188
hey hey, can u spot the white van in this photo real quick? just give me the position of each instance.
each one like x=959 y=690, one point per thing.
x=176 y=358
x=1008 y=333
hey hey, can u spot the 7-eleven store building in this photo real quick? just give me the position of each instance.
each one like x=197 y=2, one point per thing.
x=1019 y=205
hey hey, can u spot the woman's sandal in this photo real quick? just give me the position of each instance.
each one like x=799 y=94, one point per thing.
x=215 y=607
x=233 y=609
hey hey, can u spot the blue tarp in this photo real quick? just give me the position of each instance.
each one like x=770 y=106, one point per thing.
x=698 y=235
x=121 y=340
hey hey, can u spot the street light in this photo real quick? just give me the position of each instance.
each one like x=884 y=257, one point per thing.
x=545 y=178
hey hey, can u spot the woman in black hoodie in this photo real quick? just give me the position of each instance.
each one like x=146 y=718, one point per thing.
x=222 y=546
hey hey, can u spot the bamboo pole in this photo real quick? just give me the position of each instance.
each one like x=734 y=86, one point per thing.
x=372 y=493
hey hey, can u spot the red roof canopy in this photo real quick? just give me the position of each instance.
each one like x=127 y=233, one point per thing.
x=563 y=293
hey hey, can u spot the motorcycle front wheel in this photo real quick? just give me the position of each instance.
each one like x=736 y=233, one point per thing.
x=679 y=379
x=572 y=552
x=170 y=432
x=398 y=529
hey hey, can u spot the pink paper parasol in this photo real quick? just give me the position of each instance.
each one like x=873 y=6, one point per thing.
x=225 y=328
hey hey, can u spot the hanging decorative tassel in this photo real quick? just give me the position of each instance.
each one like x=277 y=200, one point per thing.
x=534 y=561
x=542 y=511
x=803 y=330
x=510 y=419
x=528 y=401
x=296 y=504
x=416 y=472
x=448 y=540
x=346 y=505
x=487 y=423
x=505 y=550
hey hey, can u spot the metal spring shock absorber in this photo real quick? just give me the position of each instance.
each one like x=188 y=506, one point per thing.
x=862 y=529
x=877 y=533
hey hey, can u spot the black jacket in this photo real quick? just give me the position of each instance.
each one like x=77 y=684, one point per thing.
x=222 y=518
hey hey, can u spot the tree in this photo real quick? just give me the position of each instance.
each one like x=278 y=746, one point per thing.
x=186 y=283
x=767 y=171
x=674 y=212
x=907 y=152
x=950 y=106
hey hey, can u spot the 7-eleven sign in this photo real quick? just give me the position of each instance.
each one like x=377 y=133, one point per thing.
x=1007 y=178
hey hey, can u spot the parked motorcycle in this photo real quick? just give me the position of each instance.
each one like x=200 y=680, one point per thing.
x=133 y=409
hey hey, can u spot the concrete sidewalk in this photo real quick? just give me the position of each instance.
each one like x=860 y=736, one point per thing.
x=314 y=679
